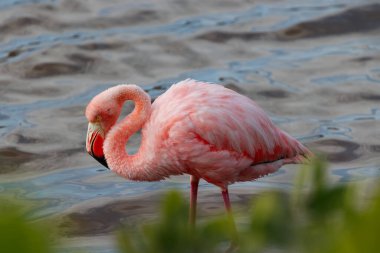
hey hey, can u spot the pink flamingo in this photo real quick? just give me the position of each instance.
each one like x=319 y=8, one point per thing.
x=195 y=128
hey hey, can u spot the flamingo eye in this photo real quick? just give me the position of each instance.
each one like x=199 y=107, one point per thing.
x=98 y=118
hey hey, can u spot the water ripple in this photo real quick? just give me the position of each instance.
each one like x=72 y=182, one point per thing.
x=183 y=27
x=4 y=4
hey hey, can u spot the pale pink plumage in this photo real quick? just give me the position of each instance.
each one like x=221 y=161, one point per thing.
x=195 y=128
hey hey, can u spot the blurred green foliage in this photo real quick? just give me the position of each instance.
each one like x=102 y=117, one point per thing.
x=18 y=235
x=172 y=232
x=317 y=217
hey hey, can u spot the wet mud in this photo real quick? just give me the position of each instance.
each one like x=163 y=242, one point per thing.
x=111 y=216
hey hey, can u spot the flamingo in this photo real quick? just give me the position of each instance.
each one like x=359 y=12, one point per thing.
x=196 y=128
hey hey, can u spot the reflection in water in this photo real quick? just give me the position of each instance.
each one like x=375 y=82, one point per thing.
x=314 y=67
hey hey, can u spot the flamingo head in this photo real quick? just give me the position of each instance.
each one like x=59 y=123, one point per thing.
x=94 y=142
x=102 y=113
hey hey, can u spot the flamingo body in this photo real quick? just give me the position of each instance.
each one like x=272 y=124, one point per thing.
x=216 y=134
x=195 y=128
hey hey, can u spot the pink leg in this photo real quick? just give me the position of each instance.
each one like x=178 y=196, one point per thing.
x=231 y=221
x=226 y=199
x=194 y=181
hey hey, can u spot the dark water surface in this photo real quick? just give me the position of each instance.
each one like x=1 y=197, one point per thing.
x=313 y=66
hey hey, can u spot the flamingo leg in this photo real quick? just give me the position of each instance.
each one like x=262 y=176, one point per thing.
x=194 y=181
x=230 y=217
x=226 y=198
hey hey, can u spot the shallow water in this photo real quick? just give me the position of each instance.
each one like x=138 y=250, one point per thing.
x=314 y=67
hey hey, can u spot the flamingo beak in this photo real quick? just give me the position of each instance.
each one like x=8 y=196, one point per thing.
x=94 y=142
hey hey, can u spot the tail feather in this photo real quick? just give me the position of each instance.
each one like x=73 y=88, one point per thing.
x=296 y=149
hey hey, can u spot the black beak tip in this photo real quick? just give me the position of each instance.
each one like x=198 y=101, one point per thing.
x=102 y=160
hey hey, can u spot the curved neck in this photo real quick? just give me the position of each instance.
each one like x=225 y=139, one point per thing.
x=115 y=152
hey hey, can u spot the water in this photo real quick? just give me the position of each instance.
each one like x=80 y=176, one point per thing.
x=313 y=66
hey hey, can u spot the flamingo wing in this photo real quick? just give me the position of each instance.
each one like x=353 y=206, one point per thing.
x=237 y=124
x=223 y=129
